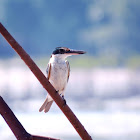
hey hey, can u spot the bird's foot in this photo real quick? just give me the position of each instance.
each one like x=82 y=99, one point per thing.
x=64 y=100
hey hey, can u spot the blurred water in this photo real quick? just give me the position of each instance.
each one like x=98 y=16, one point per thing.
x=105 y=100
x=100 y=125
x=113 y=89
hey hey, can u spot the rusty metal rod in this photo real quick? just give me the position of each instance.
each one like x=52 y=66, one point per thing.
x=46 y=84
x=14 y=124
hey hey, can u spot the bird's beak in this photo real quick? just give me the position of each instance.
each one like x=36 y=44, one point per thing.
x=75 y=52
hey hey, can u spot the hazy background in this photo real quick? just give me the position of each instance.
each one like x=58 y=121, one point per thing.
x=104 y=85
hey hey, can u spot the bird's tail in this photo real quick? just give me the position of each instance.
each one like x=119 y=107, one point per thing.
x=46 y=105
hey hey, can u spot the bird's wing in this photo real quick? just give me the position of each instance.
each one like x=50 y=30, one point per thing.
x=48 y=70
x=68 y=65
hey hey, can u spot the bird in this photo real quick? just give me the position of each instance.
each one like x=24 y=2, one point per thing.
x=58 y=72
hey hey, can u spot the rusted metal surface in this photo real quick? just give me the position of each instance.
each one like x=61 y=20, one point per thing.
x=14 y=124
x=46 y=84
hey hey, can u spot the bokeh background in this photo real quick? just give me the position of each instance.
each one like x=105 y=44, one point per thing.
x=104 y=85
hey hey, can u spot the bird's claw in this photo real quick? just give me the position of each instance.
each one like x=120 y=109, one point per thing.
x=64 y=100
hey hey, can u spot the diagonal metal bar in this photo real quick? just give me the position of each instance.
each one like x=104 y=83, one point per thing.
x=46 y=84
x=14 y=124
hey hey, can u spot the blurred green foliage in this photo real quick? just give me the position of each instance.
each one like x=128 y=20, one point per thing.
x=88 y=62
x=108 y=30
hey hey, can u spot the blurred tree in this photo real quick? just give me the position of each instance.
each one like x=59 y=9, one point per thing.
x=100 y=27
x=114 y=27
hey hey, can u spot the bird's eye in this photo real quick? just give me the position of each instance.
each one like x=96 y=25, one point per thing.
x=61 y=51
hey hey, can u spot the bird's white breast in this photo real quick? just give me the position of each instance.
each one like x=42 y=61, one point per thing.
x=59 y=75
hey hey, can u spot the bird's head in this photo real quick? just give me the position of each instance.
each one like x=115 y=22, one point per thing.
x=65 y=52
